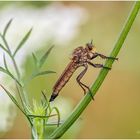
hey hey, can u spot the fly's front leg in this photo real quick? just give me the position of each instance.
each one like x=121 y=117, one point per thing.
x=81 y=84
x=106 y=57
x=98 y=65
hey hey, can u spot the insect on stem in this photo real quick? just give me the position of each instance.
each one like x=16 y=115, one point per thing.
x=81 y=57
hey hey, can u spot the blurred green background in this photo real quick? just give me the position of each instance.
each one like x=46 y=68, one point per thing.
x=115 y=113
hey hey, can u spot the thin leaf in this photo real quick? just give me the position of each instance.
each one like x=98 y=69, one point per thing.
x=22 y=42
x=4 y=48
x=3 y=70
x=5 y=63
x=47 y=103
x=13 y=77
x=43 y=73
x=6 y=27
x=28 y=108
x=13 y=99
x=19 y=93
x=35 y=58
x=44 y=96
x=43 y=117
x=9 y=74
x=44 y=57
x=6 y=44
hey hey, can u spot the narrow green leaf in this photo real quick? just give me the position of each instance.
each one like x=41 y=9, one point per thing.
x=10 y=74
x=44 y=57
x=6 y=27
x=1 y=46
x=22 y=42
x=13 y=99
x=6 y=44
x=20 y=97
x=5 y=63
x=35 y=59
x=43 y=73
x=46 y=102
x=43 y=117
x=14 y=78
x=44 y=96
x=28 y=108
x=3 y=70
x=34 y=75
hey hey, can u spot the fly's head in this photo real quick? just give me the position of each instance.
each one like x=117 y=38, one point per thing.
x=90 y=47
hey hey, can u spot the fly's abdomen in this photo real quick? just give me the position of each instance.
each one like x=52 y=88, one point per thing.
x=64 y=78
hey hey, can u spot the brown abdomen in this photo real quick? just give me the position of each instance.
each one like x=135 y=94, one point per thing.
x=65 y=76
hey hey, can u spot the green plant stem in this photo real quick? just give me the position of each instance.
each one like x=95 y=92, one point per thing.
x=103 y=73
x=38 y=128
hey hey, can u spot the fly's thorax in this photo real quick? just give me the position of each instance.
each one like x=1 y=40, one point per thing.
x=80 y=55
x=84 y=56
x=77 y=54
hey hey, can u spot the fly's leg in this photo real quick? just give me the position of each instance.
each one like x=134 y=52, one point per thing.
x=98 y=65
x=105 y=57
x=79 y=77
x=81 y=84
x=88 y=89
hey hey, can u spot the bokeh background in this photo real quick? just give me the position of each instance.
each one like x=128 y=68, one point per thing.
x=115 y=112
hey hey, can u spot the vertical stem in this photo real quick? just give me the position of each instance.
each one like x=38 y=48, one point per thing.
x=38 y=128
x=86 y=100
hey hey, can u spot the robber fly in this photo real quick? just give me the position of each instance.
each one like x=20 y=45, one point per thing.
x=81 y=56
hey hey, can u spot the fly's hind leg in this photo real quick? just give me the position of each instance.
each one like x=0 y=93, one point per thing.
x=81 y=84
